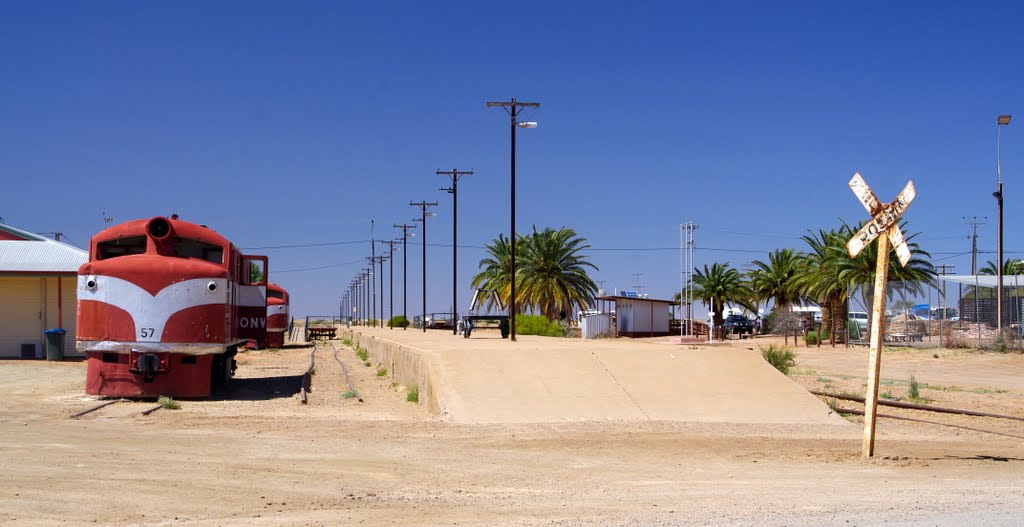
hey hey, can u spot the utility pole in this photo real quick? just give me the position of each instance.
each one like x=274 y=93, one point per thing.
x=455 y=175
x=636 y=280
x=424 y=205
x=373 y=284
x=513 y=108
x=405 y=268
x=974 y=222
x=391 y=276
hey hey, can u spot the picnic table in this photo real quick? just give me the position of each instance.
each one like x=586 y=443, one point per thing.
x=316 y=332
x=903 y=337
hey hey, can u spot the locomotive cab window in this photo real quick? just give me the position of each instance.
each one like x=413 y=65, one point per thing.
x=275 y=294
x=120 y=247
x=254 y=270
x=189 y=248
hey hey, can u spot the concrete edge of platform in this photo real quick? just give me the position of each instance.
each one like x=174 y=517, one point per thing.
x=405 y=364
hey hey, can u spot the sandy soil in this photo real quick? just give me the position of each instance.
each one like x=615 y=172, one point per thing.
x=257 y=456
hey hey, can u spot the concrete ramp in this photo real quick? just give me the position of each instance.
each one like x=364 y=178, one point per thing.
x=539 y=379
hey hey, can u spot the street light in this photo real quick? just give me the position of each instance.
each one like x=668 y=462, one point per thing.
x=1001 y=121
x=513 y=108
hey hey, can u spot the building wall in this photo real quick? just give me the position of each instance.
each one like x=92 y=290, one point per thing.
x=28 y=306
x=70 y=304
x=633 y=318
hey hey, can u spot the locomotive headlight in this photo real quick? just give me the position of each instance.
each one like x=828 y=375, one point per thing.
x=212 y=286
x=90 y=284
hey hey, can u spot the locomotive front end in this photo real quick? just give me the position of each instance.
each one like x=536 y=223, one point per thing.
x=155 y=309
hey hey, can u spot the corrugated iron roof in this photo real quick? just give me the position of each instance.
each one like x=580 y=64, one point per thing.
x=37 y=254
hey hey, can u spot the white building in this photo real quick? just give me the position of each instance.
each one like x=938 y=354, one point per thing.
x=640 y=317
x=38 y=284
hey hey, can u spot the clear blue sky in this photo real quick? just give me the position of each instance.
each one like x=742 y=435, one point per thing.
x=281 y=123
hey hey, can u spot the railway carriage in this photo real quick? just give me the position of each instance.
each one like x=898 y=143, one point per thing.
x=163 y=305
x=277 y=315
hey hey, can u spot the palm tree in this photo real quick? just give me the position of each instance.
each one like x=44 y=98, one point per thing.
x=861 y=270
x=777 y=279
x=1010 y=267
x=551 y=274
x=496 y=271
x=819 y=278
x=720 y=285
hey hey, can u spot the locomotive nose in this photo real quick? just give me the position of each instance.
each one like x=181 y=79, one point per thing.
x=159 y=228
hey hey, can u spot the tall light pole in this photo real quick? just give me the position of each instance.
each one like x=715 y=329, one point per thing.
x=423 y=205
x=513 y=108
x=405 y=268
x=1001 y=121
x=455 y=175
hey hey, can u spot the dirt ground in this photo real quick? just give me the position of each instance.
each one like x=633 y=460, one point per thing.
x=257 y=456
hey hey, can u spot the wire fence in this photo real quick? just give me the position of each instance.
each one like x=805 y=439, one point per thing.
x=940 y=314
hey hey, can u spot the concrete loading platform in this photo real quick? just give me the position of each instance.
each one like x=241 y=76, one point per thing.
x=544 y=379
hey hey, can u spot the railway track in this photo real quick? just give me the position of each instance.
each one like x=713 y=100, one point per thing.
x=348 y=378
x=306 y=387
x=105 y=404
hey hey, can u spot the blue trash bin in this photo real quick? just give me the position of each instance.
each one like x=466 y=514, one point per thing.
x=55 y=343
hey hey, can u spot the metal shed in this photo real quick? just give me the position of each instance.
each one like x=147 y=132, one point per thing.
x=38 y=284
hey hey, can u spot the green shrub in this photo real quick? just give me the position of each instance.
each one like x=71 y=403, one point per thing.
x=346 y=342
x=812 y=337
x=914 y=388
x=168 y=403
x=348 y=394
x=362 y=354
x=779 y=357
x=398 y=321
x=537 y=325
x=413 y=396
x=382 y=371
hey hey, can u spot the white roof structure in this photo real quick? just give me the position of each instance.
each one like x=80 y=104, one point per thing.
x=23 y=252
x=984 y=280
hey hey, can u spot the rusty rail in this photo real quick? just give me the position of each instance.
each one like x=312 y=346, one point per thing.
x=912 y=406
x=153 y=409
x=94 y=408
x=901 y=418
x=307 y=378
x=348 y=379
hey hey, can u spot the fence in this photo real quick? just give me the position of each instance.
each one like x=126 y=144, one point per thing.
x=945 y=313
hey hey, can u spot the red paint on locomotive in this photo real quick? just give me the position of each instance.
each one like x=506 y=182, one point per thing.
x=162 y=306
x=277 y=315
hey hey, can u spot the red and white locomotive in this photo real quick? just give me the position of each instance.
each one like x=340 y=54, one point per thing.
x=277 y=315
x=163 y=305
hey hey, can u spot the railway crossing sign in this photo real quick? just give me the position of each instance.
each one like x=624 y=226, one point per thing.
x=884 y=226
x=884 y=218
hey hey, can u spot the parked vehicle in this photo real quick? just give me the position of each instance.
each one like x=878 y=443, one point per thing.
x=738 y=324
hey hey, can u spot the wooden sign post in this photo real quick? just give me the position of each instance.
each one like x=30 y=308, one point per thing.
x=884 y=226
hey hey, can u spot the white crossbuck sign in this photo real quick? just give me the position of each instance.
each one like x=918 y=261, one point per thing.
x=883 y=220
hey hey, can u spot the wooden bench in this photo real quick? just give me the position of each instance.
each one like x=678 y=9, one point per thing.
x=320 y=332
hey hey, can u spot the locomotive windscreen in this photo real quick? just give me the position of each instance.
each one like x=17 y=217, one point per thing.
x=121 y=247
x=188 y=248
